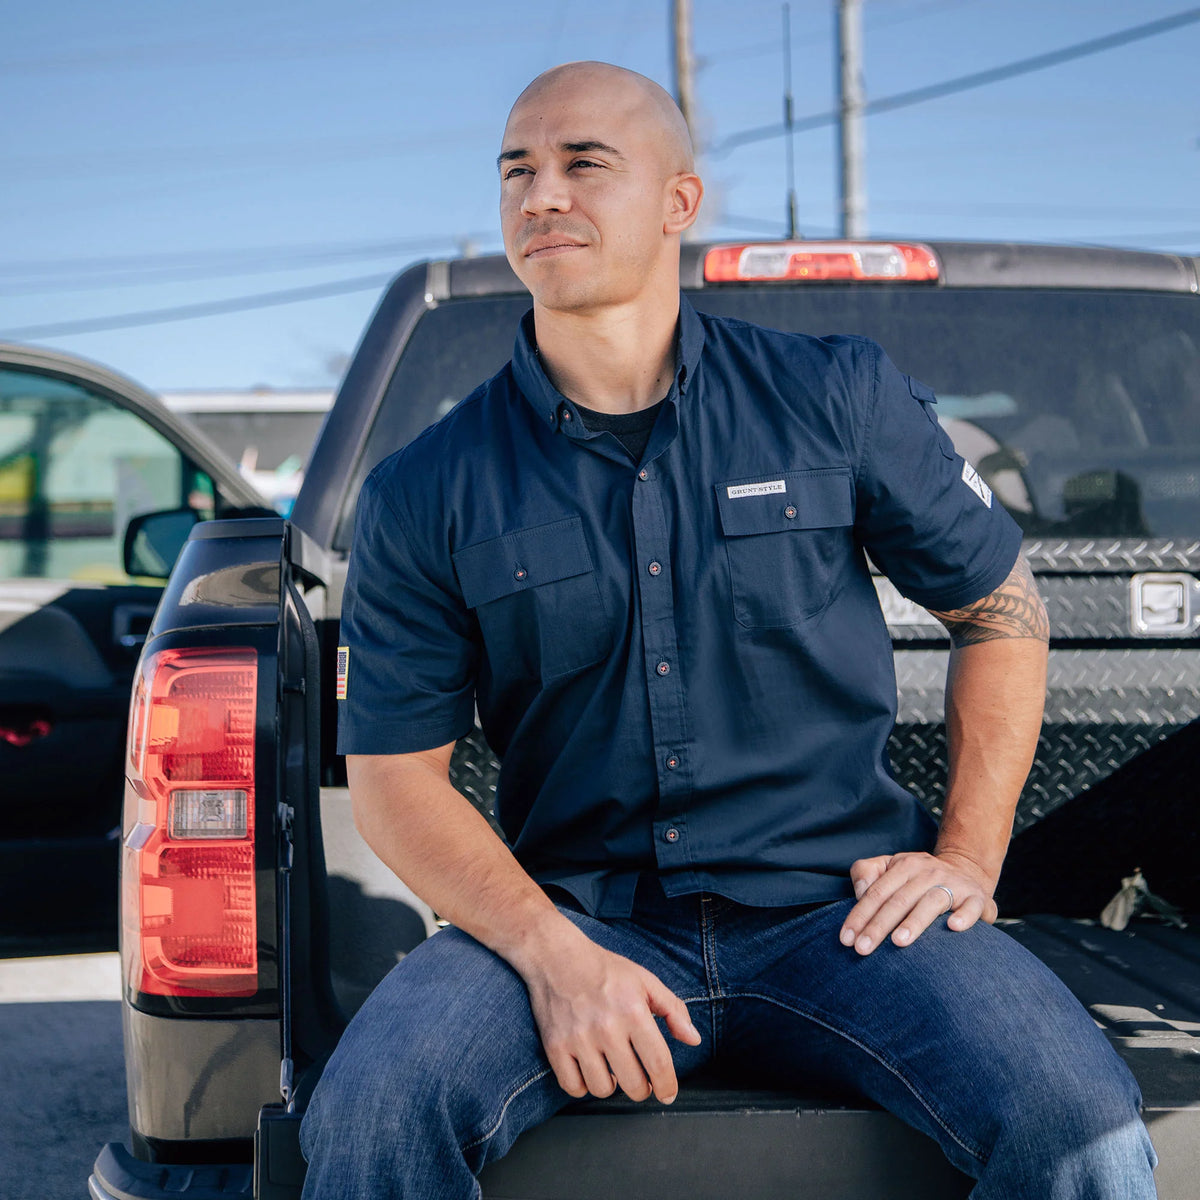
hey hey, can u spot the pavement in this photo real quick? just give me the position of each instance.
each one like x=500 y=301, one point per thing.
x=62 y=1073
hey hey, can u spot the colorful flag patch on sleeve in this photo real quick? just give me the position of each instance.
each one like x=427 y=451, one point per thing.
x=343 y=670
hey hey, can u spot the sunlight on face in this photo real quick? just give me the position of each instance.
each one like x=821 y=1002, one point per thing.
x=588 y=161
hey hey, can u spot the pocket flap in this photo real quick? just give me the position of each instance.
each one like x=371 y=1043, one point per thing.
x=921 y=391
x=522 y=559
x=762 y=503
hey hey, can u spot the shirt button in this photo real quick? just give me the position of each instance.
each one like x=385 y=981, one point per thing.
x=790 y=512
x=663 y=668
x=643 y=474
x=672 y=835
x=654 y=568
x=520 y=573
x=672 y=763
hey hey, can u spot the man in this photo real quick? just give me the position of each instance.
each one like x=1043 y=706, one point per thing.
x=639 y=550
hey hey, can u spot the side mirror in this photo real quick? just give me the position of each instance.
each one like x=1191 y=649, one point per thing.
x=153 y=541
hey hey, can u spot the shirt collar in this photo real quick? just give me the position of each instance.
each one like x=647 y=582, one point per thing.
x=549 y=403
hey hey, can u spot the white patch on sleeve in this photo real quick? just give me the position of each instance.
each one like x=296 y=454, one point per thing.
x=756 y=489
x=972 y=480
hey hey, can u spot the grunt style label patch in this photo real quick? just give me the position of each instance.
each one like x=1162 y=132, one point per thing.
x=737 y=491
x=972 y=480
x=343 y=669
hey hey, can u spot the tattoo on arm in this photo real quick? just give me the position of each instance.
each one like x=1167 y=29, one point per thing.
x=1013 y=610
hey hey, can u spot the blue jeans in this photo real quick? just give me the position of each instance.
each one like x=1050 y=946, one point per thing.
x=965 y=1036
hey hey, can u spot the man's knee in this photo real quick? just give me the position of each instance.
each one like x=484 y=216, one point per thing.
x=439 y=1038
x=1076 y=1127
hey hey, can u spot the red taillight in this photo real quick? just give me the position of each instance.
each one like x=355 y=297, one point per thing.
x=819 y=261
x=188 y=903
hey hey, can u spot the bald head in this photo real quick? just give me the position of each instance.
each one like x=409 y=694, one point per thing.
x=649 y=108
x=596 y=189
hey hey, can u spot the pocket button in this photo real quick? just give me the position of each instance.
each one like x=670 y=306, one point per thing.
x=790 y=512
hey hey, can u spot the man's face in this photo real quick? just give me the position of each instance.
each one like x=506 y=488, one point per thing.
x=583 y=194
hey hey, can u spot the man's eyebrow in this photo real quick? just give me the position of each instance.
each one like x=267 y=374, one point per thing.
x=584 y=147
x=510 y=155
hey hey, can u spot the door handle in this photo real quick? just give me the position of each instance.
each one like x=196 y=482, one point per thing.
x=131 y=624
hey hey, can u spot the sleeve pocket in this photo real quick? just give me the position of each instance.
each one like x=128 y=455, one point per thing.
x=924 y=393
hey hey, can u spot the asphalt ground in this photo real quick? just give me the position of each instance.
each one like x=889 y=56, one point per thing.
x=62 y=1073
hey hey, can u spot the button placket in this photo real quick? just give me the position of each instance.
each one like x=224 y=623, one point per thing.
x=664 y=681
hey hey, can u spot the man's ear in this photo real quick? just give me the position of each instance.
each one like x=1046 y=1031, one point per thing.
x=684 y=194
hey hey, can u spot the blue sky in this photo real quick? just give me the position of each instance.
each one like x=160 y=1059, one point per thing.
x=157 y=155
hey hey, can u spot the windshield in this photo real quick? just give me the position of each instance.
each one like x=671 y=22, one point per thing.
x=1081 y=409
x=265 y=440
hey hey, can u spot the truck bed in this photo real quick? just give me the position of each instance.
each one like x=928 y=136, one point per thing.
x=1142 y=986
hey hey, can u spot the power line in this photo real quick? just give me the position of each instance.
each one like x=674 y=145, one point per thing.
x=316 y=153
x=182 y=259
x=962 y=83
x=873 y=20
x=147 y=270
x=212 y=308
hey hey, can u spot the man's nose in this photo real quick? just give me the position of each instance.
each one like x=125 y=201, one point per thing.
x=549 y=192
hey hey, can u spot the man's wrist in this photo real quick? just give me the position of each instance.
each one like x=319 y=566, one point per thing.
x=543 y=939
x=970 y=859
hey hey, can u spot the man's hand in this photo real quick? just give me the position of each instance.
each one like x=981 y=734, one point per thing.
x=903 y=894
x=595 y=1012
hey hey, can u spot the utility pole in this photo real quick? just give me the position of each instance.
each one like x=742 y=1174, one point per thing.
x=681 y=35
x=852 y=95
x=789 y=122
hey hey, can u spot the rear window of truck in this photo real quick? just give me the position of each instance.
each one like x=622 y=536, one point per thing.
x=1081 y=409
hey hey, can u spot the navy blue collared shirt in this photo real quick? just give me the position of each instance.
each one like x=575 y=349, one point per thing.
x=680 y=662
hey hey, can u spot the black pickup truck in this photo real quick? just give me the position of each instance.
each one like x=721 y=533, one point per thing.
x=255 y=920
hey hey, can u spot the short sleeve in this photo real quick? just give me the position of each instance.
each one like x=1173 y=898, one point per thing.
x=407 y=656
x=927 y=519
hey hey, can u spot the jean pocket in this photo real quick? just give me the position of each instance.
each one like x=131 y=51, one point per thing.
x=788 y=536
x=535 y=594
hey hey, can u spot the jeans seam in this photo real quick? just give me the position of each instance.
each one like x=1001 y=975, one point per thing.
x=712 y=975
x=521 y=1087
x=974 y=1151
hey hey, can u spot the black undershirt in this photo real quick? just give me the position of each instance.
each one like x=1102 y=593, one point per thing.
x=632 y=430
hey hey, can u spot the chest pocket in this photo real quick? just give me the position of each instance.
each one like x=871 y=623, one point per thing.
x=536 y=597
x=788 y=537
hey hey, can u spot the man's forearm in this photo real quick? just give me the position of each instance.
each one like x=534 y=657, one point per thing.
x=995 y=690
x=434 y=839
x=594 y=1009
x=994 y=695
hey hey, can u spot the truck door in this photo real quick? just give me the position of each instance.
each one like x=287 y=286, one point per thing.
x=74 y=467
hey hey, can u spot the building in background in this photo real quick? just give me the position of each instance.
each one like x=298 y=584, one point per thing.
x=267 y=432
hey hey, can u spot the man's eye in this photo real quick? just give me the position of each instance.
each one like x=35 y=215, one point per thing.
x=514 y=171
x=585 y=162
